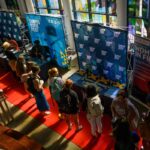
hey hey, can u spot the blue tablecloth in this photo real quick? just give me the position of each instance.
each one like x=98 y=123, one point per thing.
x=81 y=81
x=106 y=93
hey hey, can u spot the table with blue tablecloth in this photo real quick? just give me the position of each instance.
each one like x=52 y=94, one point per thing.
x=107 y=93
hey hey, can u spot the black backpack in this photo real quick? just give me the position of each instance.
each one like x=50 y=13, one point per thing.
x=30 y=84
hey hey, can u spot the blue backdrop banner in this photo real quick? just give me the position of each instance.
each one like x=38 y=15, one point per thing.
x=9 y=25
x=49 y=31
x=101 y=49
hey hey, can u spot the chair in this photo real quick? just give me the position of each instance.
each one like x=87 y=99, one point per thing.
x=5 y=113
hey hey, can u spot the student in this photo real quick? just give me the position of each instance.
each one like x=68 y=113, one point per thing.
x=144 y=127
x=35 y=87
x=70 y=105
x=25 y=76
x=37 y=50
x=121 y=107
x=125 y=139
x=55 y=83
x=94 y=110
x=12 y=44
x=21 y=67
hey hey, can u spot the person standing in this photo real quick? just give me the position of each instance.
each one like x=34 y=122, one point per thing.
x=35 y=87
x=125 y=139
x=21 y=67
x=144 y=127
x=55 y=83
x=121 y=107
x=70 y=105
x=94 y=110
x=25 y=76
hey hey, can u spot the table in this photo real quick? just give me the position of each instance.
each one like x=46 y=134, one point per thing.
x=107 y=93
x=5 y=113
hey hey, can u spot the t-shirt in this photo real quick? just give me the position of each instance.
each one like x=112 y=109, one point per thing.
x=55 y=85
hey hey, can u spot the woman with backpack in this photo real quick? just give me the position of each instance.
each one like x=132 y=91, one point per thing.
x=70 y=105
x=35 y=86
x=94 y=110
x=25 y=76
x=55 y=83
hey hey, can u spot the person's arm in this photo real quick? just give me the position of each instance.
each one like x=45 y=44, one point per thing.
x=132 y=112
x=113 y=110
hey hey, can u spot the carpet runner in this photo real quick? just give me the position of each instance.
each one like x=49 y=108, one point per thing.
x=18 y=97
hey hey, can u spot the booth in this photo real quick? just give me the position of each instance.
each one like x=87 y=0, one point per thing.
x=49 y=30
x=102 y=57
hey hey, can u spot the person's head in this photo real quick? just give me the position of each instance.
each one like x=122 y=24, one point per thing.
x=68 y=84
x=36 y=42
x=35 y=69
x=91 y=90
x=121 y=95
x=30 y=64
x=6 y=45
x=21 y=58
x=53 y=72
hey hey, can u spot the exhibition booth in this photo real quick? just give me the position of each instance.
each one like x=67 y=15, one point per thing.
x=102 y=52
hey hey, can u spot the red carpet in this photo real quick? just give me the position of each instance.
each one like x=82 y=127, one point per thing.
x=17 y=96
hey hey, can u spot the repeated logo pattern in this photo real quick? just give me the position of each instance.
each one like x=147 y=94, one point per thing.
x=9 y=26
x=102 y=49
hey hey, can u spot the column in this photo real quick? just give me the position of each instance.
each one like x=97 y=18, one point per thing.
x=30 y=7
x=67 y=21
x=3 y=4
x=22 y=6
x=121 y=13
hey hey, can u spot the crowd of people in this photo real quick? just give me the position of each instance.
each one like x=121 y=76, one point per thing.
x=125 y=116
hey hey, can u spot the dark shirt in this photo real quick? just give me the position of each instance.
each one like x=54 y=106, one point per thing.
x=36 y=51
x=69 y=100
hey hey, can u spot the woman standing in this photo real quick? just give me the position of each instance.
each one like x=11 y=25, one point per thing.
x=55 y=83
x=35 y=86
x=21 y=67
x=94 y=110
x=70 y=105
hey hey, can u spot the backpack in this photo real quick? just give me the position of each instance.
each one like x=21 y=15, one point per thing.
x=99 y=109
x=67 y=103
x=30 y=84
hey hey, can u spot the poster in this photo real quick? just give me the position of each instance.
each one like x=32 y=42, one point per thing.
x=49 y=31
x=141 y=69
x=9 y=25
x=102 y=50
